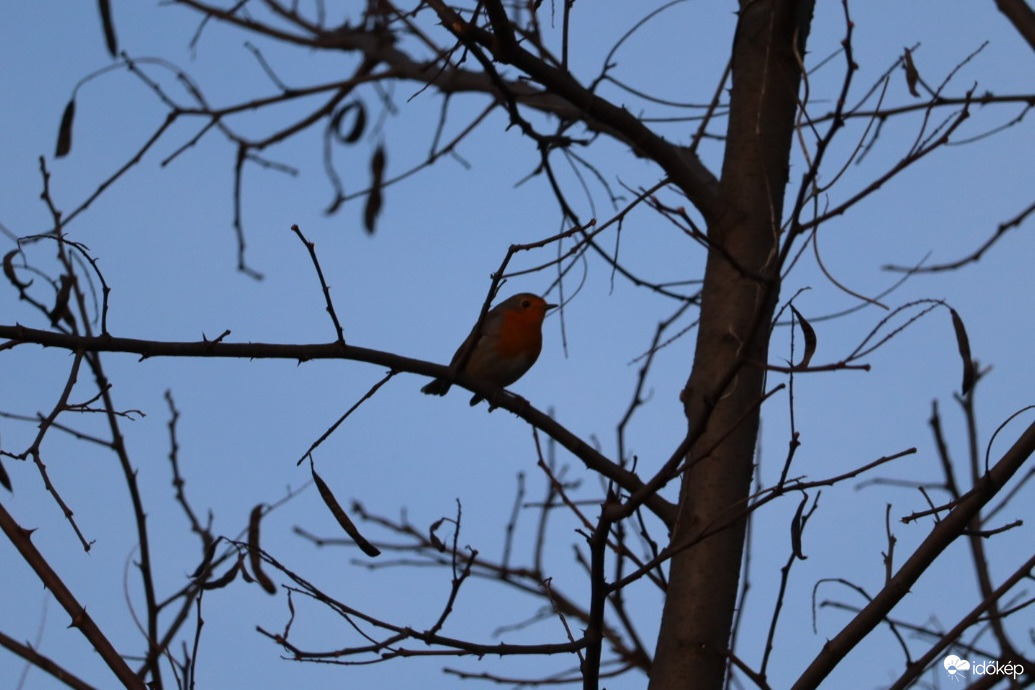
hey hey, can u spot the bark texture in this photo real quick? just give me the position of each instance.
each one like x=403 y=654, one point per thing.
x=725 y=388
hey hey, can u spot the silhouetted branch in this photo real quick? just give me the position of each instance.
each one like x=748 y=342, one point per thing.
x=1021 y=16
x=20 y=539
x=944 y=532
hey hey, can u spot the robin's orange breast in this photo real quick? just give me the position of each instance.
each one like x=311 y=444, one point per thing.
x=520 y=335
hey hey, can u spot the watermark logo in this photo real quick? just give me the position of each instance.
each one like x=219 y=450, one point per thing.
x=957 y=668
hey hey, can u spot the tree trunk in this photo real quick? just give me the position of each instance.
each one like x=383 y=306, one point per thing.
x=724 y=392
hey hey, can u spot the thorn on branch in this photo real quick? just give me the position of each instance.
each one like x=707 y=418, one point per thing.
x=219 y=338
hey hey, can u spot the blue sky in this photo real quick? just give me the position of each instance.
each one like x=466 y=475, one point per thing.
x=163 y=239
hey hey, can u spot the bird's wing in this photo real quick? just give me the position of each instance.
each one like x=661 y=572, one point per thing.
x=490 y=328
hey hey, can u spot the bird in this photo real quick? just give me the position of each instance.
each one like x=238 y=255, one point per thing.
x=509 y=342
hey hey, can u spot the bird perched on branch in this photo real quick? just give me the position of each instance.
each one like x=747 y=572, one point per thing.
x=508 y=344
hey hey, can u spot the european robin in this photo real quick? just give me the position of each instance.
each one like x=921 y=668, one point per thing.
x=508 y=344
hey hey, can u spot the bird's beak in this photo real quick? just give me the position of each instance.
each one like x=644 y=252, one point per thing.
x=551 y=306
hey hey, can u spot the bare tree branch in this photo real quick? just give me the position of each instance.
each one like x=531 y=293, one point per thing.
x=1021 y=16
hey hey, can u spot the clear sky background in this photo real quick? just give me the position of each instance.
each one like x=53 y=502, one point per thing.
x=163 y=239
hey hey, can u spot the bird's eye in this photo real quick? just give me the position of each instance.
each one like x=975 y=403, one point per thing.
x=526 y=303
